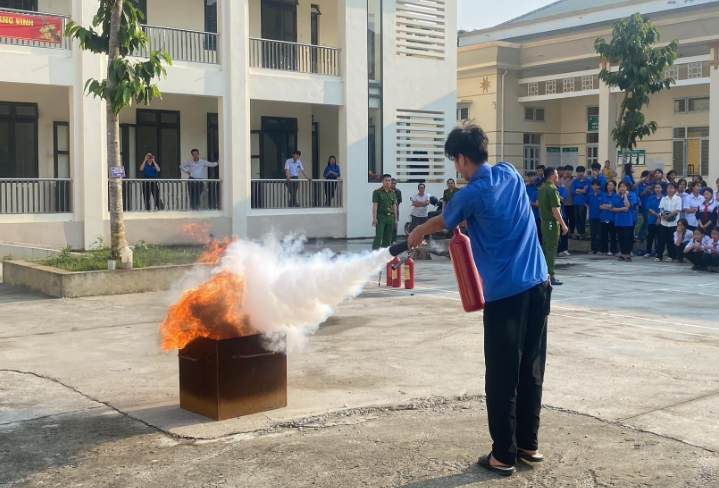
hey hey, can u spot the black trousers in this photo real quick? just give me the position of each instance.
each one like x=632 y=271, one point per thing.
x=595 y=235
x=571 y=221
x=608 y=237
x=626 y=239
x=515 y=352
x=580 y=218
x=710 y=260
x=652 y=235
x=195 y=194
x=538 y=222
x=696 y=258
x=292 y=185
x=151 y=188
x=666 y=240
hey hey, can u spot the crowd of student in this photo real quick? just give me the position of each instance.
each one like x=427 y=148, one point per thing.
x=679 y=220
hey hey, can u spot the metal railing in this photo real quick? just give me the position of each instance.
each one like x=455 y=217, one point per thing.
x=274 y=194
x=35 y=195
x=182 y=44
x=63 y=44
x=146 y=195
x=292 y=56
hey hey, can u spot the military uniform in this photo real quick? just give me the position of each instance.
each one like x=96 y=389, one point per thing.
x=551 y=229
x=386 y=201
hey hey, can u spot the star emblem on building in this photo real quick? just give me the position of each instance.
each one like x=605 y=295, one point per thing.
x=485 y=84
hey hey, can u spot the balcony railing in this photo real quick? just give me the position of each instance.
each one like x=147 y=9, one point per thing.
x=146 y=195
x=35 y=195
x=182 y=44
x=62 y=19
x=292 y=56
x=275 y=194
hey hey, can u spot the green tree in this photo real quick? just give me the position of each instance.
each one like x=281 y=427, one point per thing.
x=117 y=33
x=640 y=74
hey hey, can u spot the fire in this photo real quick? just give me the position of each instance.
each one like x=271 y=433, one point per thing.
x=212 y=309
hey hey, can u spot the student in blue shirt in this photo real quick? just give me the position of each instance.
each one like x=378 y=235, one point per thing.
x=580 y=190
x=644 y=190
x=151 y=171
x=623 y=221
x=608 y=234
x=516 y=288
x=597 y=175
x=659 y=178
x=629 y=176
x=533 y=194
x=563 y=248
x=540 y=174
x=594 y=200
x=653 y=219
x=332 y=172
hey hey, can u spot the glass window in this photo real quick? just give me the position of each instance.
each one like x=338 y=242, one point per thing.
x=698 y=104
x=19 y=4
x=374 y=40
x=18 y=140
x=62 y=150
x=592 y=111
x=593 y=138
x=375 y=139
x=532 y=114
x=690 y=151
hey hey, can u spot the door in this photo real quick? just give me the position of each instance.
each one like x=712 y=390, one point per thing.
x=314 y=36
x=158 y=131
x=316 y=168
x=213 y=154
x=532 y=157
x=279 y=139
x=592 y=155
x=279 y=23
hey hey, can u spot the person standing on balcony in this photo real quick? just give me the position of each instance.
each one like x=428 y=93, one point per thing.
x=384 y=213
x=150 y=171
x=195 y=169
x=331 y=173
x=293 y=168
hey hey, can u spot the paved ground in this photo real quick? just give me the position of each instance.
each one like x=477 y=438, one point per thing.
x=388 y=392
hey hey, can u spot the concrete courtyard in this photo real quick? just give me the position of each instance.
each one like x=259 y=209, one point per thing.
x=389 y=392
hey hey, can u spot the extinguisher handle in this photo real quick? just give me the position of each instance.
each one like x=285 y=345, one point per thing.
x=399 y=248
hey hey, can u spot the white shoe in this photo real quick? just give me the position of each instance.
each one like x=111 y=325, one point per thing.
x=610 y=254
x=567 y=254
x=647 y=255
x=670 y=260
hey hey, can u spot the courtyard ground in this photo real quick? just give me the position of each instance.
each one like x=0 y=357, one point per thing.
x=388 y=392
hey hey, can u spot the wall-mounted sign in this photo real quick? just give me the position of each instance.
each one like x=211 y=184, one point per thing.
x=117 y=171
x=42 y=28
x=554 y=156
x=593 y=123
x=638 y=157
x=570 y=155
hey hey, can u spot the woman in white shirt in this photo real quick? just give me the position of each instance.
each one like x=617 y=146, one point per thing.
x=691 y=204
x=669 y=209
x=682 y=237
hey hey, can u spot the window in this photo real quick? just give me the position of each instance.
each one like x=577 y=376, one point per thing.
x=374 y=40
x=532 y=151
x=61 y=149
x=568 y=85
x=420 y=146
x=462 y=113
x=592 y=148
x=30 y=5
x=690 y=150
x=420 y=28
x=532 y=114
x=592 y=111
x=18 y=140
x=141 y=5
x=691 y=105
x=374 y=105
x=158 y=132
x=550 y=87
x=375 y=139
x=211 y=24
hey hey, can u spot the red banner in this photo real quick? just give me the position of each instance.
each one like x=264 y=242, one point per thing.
x=41 y=28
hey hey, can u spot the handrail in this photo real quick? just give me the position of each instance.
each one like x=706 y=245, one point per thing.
x=295 y=43
x=35 y=179
x=180 y=30
x=33 y=12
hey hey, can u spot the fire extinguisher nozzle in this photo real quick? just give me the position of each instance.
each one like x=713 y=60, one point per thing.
x=399 y=248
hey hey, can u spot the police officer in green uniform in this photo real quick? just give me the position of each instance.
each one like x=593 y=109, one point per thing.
x=384 y=213
x=552 y=222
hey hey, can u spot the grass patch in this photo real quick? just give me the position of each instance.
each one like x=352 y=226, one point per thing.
x=143 y=257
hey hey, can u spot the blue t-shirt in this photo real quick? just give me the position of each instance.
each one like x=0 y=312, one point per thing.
x=664 y=187
x=594 y=201
x=580 y=198
x=563 y=196
x=644 y=199
x=602 y=179
x=504 y=238
x=634 y=202
x=629 y=179
x=622 y=219
x=607 y=215
x=149 y=171
x=332 y=167
x=653 y=203
x=533 y=194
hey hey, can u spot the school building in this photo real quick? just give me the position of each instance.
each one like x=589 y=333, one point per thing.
x=532 y=84
x=366 y=81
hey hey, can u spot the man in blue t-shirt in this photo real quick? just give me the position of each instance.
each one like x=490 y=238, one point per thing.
x=516 y=288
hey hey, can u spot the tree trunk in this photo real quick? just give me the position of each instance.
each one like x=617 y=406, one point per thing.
x=117 y=218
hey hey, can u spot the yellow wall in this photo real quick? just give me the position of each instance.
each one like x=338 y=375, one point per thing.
x=180 y=14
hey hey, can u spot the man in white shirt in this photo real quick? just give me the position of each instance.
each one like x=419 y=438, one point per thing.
x=420 y=202
x=195 y=169
x=669 y=209
x=692 y=203
x=293 y=168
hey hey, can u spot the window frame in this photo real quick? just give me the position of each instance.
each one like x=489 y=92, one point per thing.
x=12 y=119
x=11 y=7
x=56 y=153
x=532 y=146
x=702 y=139
x=686 y=101
x=534 y=114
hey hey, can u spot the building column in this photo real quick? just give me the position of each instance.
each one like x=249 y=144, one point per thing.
x=353 y=117
x=234 y=114
x=88 y=136
x=607 y=122
x=713 y=115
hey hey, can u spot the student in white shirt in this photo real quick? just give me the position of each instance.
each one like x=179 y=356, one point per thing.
x=682 y=237
x=420 y=202
x=669 y=209
x=293 y=168
x=711 y=252
x=195 y=169
x=694 y=250
x=691 y=204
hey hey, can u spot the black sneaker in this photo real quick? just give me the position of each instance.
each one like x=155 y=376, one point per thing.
x=555 y=282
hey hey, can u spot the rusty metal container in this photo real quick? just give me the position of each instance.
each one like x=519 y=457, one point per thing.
x=228 y=378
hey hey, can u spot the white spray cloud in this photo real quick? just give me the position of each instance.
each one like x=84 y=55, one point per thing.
x=288 y=293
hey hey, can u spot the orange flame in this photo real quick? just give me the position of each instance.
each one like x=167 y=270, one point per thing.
x=212 y=309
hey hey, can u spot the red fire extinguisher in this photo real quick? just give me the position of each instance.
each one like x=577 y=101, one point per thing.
x=468 y=280
x=396 y=273
x=409 y=273
x=390 y=271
